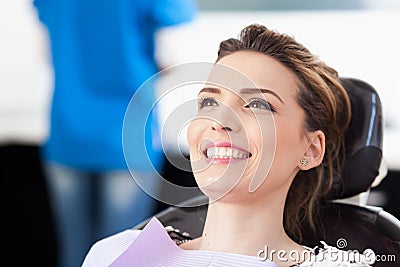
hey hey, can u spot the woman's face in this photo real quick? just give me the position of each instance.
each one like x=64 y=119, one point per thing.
x=248 y=135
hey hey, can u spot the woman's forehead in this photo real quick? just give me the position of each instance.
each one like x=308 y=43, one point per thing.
x=242 y=70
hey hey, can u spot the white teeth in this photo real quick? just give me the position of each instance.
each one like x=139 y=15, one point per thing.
x=226 y=152
x=235 y=153
x=221 y=152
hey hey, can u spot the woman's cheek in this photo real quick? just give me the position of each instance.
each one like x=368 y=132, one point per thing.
x=193 y=138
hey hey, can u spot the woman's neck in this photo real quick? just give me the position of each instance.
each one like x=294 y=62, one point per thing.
x=244 y=228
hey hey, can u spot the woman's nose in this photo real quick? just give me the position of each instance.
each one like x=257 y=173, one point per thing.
x=225 y=119
x=220 y=128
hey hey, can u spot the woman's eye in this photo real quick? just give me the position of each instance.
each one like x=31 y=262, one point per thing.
x=259 y=104
x=207 y=102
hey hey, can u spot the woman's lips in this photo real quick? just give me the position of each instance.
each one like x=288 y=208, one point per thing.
x=223 y=152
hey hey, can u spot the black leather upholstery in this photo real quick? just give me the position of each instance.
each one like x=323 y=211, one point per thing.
x=363 y=140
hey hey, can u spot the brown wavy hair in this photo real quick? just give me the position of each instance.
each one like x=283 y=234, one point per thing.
x=326 y=107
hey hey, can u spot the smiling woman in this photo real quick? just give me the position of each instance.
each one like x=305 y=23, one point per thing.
x=317 y=109
x=265 y=146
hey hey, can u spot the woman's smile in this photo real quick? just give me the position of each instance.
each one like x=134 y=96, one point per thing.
x=224 y=152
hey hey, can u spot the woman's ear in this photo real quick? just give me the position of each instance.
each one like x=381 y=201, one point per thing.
x=315 y=151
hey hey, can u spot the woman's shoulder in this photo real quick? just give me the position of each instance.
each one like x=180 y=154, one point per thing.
x=324 y=255
x=105 y=251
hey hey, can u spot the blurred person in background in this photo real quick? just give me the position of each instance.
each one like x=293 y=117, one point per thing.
x=28 y=231
x=101 y=52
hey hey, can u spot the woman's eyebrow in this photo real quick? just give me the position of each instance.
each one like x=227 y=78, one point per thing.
x=246 y=91
x=210 y=90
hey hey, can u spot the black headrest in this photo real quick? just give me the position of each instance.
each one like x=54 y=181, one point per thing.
x=363 y=141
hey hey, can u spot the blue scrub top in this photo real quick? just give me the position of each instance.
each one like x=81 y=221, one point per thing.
x=102 y=51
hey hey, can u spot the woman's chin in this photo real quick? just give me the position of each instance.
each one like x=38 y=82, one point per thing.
x=216 y=187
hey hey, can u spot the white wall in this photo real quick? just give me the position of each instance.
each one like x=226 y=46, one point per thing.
x=26 y=75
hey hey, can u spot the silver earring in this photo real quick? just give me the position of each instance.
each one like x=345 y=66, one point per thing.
x=304 y=162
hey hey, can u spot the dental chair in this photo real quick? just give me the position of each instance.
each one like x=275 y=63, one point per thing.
x=349 y=222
